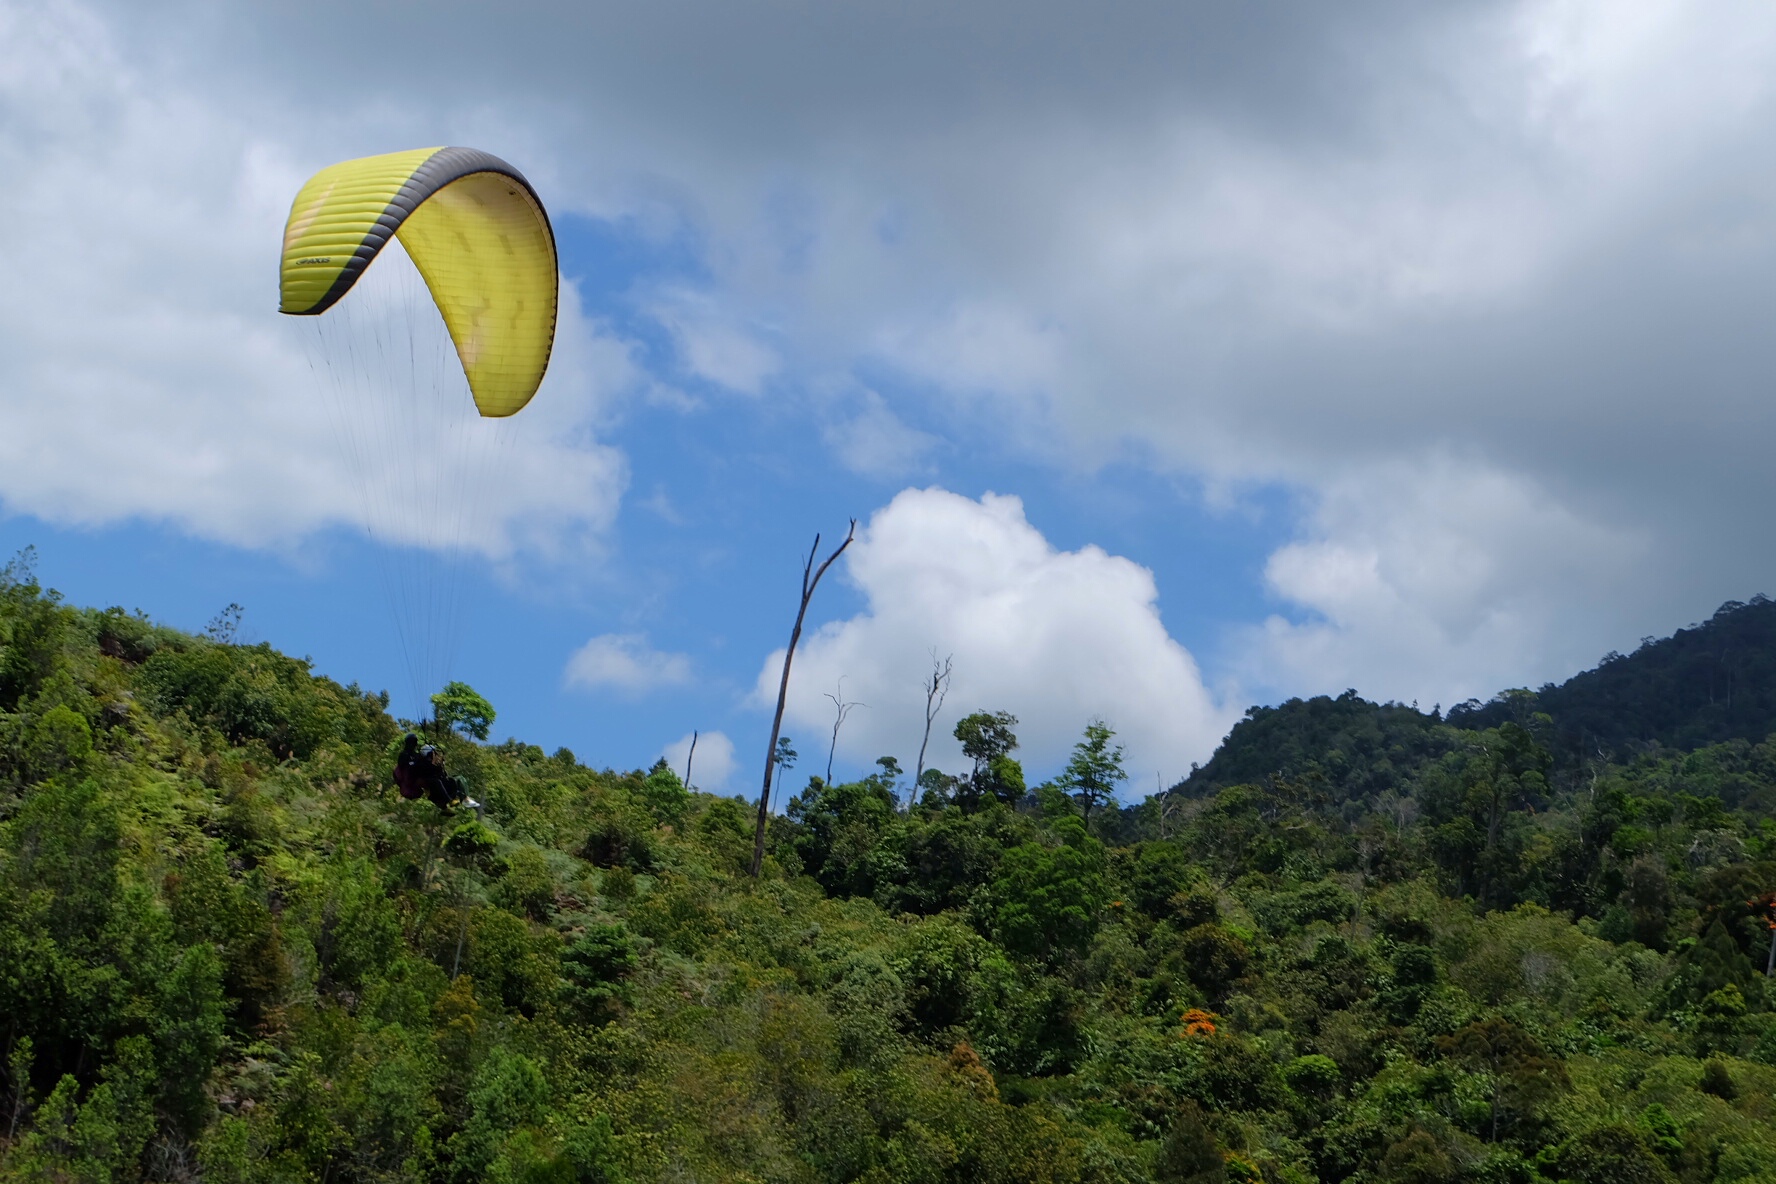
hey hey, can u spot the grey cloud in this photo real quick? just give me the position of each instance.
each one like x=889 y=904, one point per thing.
x=781 y=72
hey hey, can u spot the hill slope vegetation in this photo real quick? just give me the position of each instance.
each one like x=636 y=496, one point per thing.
x=1362 y=944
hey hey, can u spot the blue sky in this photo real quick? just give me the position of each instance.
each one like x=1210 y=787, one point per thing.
x=1173 y=357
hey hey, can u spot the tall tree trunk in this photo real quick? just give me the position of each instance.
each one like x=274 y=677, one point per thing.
x=810 y=581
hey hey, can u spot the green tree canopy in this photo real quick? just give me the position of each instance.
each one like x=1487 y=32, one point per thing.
x=459 y=707
x=1095 y=769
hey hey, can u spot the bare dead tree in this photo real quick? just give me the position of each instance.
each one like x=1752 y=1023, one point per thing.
x=843 y=709
x=935 y=688
x=688 y=756
x=1171 y=806
x=810 y=581
x=18 y=1068
x=224 y=627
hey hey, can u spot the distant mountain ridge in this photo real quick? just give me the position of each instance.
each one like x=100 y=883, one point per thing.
x=1703 y=685
x=1710 y=683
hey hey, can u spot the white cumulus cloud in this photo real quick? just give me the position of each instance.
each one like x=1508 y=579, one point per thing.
x=712 y=763
x=1055 y=637
x=625 y=663
x=1440 y=581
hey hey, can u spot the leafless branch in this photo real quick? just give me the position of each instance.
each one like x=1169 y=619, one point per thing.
x=935 y=688
x=842 y=709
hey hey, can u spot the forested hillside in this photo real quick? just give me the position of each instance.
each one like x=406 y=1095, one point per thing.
x=1362 y=943
x=1703 y=685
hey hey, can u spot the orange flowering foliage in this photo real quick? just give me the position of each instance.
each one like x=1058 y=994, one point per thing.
x=967 y=1064
x=1198 y=1022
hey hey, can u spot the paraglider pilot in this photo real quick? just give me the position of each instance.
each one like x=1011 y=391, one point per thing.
x=419 y=773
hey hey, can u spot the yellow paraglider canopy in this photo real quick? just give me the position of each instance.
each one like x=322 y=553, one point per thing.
x=474 y=229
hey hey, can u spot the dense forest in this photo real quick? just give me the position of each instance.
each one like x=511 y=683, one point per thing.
x=1525 y=941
